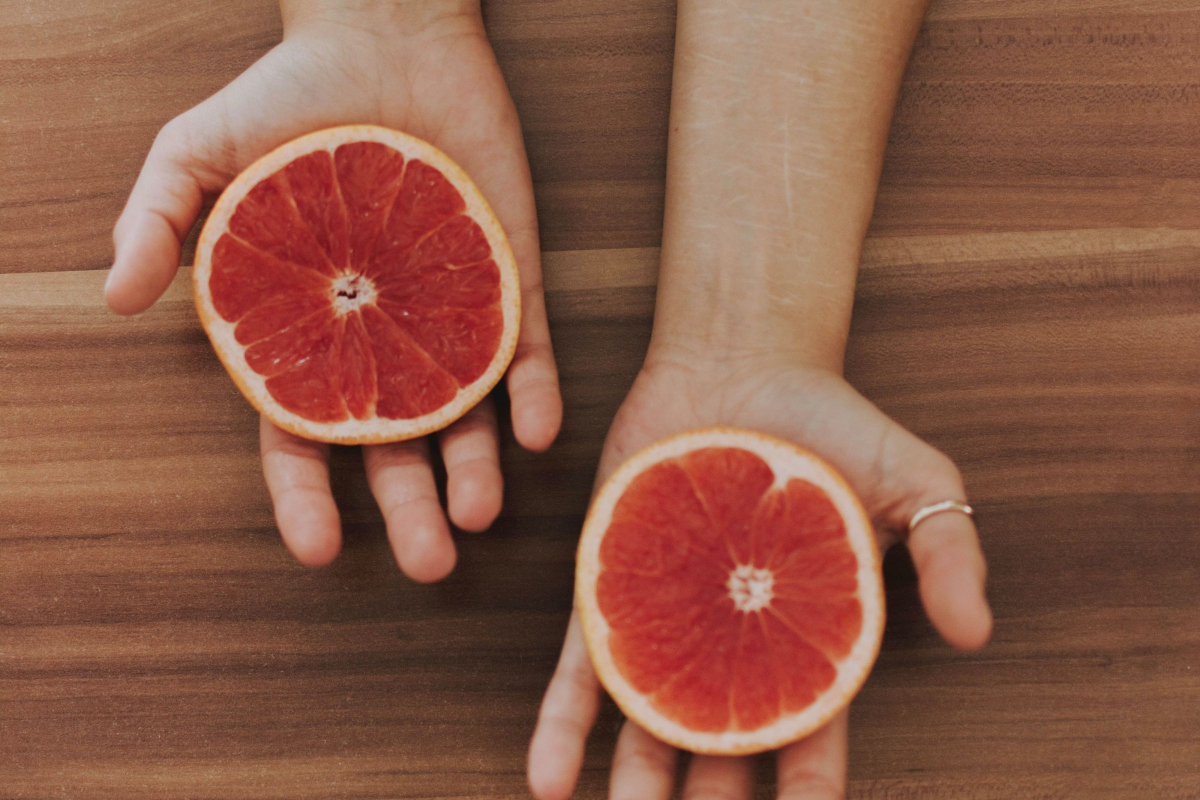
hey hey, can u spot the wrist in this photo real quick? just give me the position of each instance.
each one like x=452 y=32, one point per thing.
x=705 y=364
x=728 y=311
x=379 y=17
x=720 y=356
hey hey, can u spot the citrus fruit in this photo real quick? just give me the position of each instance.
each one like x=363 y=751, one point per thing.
x=730 y=592
x=357 y=287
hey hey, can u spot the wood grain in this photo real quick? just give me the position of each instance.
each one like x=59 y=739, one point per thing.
x=1029 y=301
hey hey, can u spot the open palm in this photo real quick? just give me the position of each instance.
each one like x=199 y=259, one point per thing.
x=439 y=82
x=894 y=473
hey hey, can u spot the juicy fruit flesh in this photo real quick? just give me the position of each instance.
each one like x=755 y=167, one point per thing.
x=359 y=286
x=729 y=601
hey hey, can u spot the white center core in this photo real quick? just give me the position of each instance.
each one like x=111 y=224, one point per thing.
x=352 y=291
x=751 y=589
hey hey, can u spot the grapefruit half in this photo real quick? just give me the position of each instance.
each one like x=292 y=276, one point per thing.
x=730 y=592
x=357 y=287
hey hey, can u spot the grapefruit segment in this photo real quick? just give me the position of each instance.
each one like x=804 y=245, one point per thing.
x=357 y=287
x=802 y=670
x=456 y=339
x=358 y=370
x=369 y=176
x=409 y=383
x=754 y=695
x=276 y=314
x=709 y=469
x=729 y=589
x=306 y=341
x=303 y=369
x=663 y=499
x=268 y=220
x=245 y=278
x=676 y=641
x=698 y=696
x=425 y=201
x=794 y=520
x=472 y=286
x=830 y=625
x=313 y=186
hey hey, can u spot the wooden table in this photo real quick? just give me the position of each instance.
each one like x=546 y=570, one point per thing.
x=1030 y=302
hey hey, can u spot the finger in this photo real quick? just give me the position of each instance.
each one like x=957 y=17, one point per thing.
x=402 y=481
x=643 y=767
x=814 y=768
x=471 y=453
x=159 y=214
x=537 y=405
x=568 y=712
x=952 y=573
x=501 y=171
x=297 y=475
x=719 y=778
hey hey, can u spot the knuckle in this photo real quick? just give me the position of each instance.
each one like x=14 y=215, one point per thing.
x=533 y=290
x=564 y=722
x=172 y=137
x=531 y=348
x=295 y=495
x=474 y=465
x=471 y=427
x=948 y=471
x=570 y=705
x=533 y=371
x=936 y=478
x=803 y=782
x=707 y=791
x=289 y=448
x=646 y=757
x=570 y=697
x=578 y=678
x=402 y=501
x=379 y=462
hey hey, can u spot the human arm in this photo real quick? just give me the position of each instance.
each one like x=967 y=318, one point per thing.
x=779 y=118
x=422 y=66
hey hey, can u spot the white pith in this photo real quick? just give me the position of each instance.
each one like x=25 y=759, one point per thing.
x=788 y=462
x=253 y=385
x=352 y=292
x=751 y=589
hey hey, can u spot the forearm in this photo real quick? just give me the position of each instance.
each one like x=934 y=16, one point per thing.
x=779 y=118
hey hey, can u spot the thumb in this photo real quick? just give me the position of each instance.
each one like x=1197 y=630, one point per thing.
x=160 y=212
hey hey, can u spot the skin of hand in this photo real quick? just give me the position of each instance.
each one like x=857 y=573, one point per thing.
x=779 y=118
x=422 y=67
x=894 y=473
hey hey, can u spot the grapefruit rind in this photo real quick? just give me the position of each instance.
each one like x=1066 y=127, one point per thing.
x=788 y=461
x=252 y=385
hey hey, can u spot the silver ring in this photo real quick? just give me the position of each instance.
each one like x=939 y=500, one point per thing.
x=937 y=508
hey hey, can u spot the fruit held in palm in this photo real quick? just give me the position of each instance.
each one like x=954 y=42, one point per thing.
x=729 y=588
x=357 y=287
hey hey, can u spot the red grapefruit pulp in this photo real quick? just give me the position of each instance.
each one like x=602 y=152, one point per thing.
x=357 y=287
x=729 y=588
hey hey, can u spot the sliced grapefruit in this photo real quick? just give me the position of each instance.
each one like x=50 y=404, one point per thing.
x=357 y=287
x=730 y=591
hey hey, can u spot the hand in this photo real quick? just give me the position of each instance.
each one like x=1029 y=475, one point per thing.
x=424 y=68
x=894 y=473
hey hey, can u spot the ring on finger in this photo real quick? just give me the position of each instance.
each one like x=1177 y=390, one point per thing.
x=925 y=512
